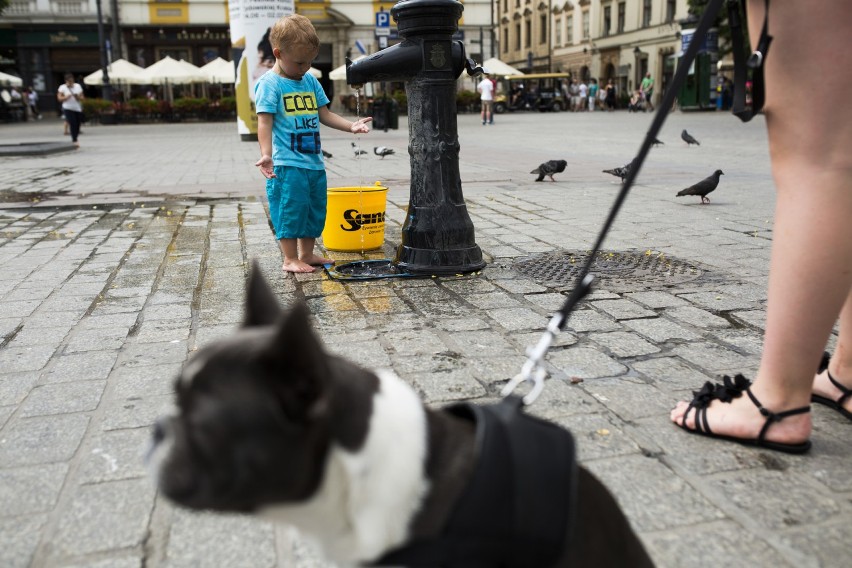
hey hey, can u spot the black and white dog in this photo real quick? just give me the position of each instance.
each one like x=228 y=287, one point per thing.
x=270 y=423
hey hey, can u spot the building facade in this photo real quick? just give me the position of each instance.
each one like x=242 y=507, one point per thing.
x=620 y=40
x=41 y=40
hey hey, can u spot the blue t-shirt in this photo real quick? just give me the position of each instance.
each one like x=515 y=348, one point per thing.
x=295 y=127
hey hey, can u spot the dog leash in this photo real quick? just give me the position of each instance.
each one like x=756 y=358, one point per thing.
x=533 y=370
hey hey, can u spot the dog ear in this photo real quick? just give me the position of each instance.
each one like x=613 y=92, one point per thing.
x=262 y=306
x=301 y=364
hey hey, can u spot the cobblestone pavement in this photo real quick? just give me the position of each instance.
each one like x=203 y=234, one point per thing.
x=119 y=259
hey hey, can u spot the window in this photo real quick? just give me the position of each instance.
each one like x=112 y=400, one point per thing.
x=585 y=24
x=505 y=5
x=557 y=32
x=646 y=13
x=505 y=40
x=607 y=20
x=621 y=9
x=542 y=29
x=569 y=30
x=670 y=10
x=517 y=36
x=527 y=33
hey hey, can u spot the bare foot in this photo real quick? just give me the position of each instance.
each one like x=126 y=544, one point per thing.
x=296 y=266
x=316 y=260
x=824 y=388
x=741 y=419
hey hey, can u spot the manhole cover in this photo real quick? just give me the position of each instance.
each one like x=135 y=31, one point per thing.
x=615 y=270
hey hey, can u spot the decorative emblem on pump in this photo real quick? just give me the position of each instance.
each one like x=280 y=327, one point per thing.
x=438 y=57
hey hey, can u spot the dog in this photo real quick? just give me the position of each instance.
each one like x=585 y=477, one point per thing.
x=269 y=423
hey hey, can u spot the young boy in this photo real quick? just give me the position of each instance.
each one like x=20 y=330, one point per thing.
x=290 y=105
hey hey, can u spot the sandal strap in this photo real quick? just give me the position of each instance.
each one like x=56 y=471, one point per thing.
x=823 y=366
x=772 y=417
x=842 y=388
x=823 y=363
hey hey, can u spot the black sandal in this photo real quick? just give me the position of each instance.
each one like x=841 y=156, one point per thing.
x=727 y=391
x=834 y=404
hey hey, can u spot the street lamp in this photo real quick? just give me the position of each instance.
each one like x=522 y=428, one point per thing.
x=107 y=88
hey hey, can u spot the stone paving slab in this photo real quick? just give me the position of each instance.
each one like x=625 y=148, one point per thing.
x=111 y=281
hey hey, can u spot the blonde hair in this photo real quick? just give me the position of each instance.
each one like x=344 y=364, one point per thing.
x=293 y=30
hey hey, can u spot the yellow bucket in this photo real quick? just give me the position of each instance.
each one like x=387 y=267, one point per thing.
x=355 y=218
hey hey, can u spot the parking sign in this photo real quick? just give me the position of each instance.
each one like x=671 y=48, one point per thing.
x=382 y=19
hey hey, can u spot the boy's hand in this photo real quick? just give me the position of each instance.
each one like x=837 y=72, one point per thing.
x=265 y=165
x=360 y=125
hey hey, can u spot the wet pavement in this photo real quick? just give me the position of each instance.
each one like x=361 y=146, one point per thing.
x=120 y=259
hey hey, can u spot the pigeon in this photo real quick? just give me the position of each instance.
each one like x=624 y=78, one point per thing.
x=382 y=151
x=326 y=154
x=703 y=187
x=621 y=172
x=686 y=137
x=549 y=168
x=358 y=151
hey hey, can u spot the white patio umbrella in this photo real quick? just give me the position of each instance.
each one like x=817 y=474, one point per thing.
x=339 y=73
x=219 y=71
x=168 y=71
x=120 y=71
x=315 y=72
x=494 y=66
x=10 y=80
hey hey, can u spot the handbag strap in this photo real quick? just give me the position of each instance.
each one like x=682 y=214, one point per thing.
x=736 y=11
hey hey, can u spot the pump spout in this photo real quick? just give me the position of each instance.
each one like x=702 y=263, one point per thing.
x=398 y=62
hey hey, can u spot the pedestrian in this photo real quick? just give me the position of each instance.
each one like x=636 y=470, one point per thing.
x=635 y=104
x=32 y=102
x=574 y=91
x=720 y=84
x=584 y=95
x=486 y=99
x=810 y=276
x=610 y=95
x=593 y=94
x=291 y=104
x=70 y=94
x=647 y=88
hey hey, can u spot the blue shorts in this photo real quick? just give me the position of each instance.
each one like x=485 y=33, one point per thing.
x=297 y=202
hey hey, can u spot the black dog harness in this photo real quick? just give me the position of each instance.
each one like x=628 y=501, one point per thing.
x=517 y=510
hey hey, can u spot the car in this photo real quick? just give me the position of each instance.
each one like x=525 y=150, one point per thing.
x=538 y=91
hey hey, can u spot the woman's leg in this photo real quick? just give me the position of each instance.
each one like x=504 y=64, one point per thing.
x=810 y=278
x=840 y=366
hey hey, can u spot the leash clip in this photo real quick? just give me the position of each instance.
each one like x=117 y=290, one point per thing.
x=755 y=60
x=533 y=370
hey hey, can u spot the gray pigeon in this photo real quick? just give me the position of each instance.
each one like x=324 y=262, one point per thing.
x=382 y=151
x=621 y=172
x=703 y=187
x=687 y=137
x=549 y=168
x=358 y=151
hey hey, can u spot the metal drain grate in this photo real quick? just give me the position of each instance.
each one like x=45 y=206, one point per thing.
x=616 y=270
